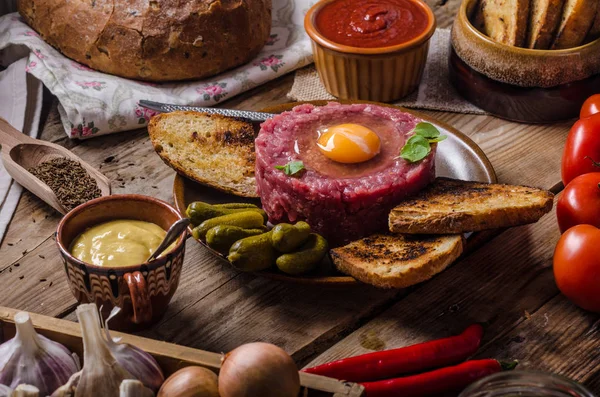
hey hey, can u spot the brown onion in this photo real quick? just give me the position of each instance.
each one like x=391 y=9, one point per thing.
x=190 y=382
x=258 y=369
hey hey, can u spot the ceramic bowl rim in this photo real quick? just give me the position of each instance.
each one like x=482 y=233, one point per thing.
x=462 y=15
x=317 y=37
x=152 y=265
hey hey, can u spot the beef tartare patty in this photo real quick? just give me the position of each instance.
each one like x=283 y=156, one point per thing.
x=342 y=202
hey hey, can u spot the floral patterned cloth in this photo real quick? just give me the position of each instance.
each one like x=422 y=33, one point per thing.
x=93 y=103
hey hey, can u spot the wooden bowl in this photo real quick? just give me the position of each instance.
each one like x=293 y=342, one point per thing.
x=141 y=291
x=521 y=84
x=381 y=74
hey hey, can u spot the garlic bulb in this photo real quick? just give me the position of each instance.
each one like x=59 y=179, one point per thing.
x=136 y=361
x=34 y=359
x=134 y=388
x=101 y=374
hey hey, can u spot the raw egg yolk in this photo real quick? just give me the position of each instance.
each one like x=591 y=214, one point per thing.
x=349 y=143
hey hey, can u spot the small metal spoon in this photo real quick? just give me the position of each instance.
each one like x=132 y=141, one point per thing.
x=173 y=234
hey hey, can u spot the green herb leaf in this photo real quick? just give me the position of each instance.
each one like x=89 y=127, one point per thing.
x=426 y=130
x=418 y=146
x=415 y=149
x=293 y=168
x=438 y=139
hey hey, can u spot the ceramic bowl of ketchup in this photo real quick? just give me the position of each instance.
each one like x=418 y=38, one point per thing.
x=372 y=50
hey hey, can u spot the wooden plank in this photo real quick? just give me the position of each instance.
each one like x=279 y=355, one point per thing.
x=169 y=356
x=299 y=318
x=215 y=308
x=494 y=285
x=558 y=338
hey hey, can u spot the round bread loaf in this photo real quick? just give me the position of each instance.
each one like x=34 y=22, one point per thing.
x=154 y=40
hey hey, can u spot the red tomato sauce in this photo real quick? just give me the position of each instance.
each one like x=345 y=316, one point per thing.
x=371 y=23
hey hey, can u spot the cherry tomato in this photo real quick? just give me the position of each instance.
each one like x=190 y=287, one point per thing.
x=582 y=150
x=577 y=266
x=590 y=106
x=579 y=203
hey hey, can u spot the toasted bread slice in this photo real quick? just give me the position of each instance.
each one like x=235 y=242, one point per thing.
x=213 y=150
x=576 y=21
x=397 y=261
x=595 y=29
x=504 y=21
x=449 y=206
x=543 y=22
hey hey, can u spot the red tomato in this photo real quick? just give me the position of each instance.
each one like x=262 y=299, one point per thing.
x=582 y=149
x=590 y=106
x=577 y=266
x=579 y=203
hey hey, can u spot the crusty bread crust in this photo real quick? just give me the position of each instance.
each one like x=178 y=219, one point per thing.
x=396 y=261
x=543 y=23
x=449 y=206
x=504 y=21
x=577 y=19
x=213 y=150
x=155 y=40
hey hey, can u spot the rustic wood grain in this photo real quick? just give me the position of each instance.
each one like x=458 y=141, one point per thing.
x=558 y=338
x=507 y=283
x=247 y=308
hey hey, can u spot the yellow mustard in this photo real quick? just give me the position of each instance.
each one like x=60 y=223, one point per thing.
x=118 y=243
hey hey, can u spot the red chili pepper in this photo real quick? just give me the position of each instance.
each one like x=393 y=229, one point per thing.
x=410 y=359
x=444 y=380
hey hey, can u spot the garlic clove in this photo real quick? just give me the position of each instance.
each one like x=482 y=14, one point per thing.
x=133 y=359
x=33 y=359
x=68 y=389
x=5 y=391
x=101 y=374
x=26 y=391
x=134 y=388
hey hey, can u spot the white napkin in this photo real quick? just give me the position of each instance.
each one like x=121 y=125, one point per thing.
x=94 y=103
x=22 y=110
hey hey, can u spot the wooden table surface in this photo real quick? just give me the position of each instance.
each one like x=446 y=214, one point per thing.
x=507 y=283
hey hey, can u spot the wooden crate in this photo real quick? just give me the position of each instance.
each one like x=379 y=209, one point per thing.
x=171 y=357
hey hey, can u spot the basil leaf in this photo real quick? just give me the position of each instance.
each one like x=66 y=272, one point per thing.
x=418 y=146
x=292 y=168
x=426 y=130
x=415 y=149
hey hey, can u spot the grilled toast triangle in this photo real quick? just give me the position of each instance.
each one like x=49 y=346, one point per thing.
x=504 y=21
x=449 y=206
x=577 y=19
x=594 y=32
x=214 y=150
x=397 y=261
x=543 y=22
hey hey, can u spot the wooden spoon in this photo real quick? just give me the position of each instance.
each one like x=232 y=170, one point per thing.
x=21 y=152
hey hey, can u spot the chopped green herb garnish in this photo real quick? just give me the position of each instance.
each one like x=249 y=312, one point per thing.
x=418 y=146
x=293 y=168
